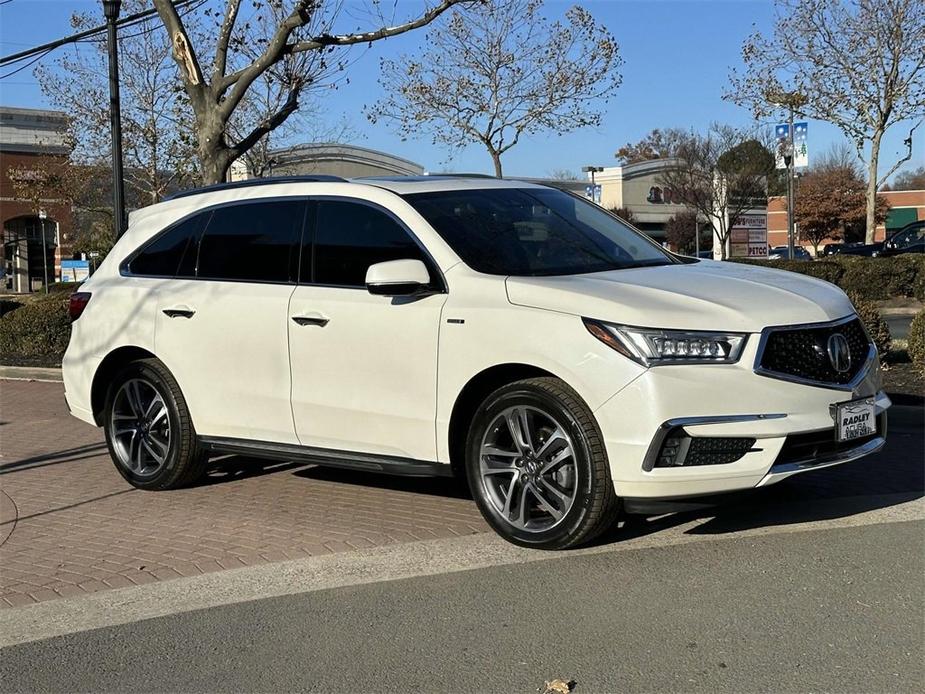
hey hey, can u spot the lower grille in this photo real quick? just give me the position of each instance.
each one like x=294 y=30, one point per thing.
x=804 y=353
x=681 y=450
x=800 y=448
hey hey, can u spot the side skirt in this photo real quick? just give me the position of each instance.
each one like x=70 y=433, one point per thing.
x=369 y=462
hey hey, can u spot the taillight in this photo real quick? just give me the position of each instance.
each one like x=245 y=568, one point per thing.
x=78 y=303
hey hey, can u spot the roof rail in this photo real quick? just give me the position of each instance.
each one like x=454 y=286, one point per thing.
x=249 y=182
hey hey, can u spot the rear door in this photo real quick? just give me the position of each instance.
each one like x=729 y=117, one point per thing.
x=222 y=324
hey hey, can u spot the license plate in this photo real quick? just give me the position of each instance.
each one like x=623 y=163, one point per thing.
x=855 y=419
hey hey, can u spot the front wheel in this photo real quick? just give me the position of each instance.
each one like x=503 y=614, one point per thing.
x=149 y=431
x=537 y=466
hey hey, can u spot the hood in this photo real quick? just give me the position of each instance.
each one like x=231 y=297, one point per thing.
x=706 y=295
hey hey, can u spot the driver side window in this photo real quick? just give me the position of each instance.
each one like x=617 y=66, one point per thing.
x=349 y=237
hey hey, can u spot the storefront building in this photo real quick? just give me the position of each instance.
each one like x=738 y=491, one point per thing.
x=31 y=238
x=906 y=206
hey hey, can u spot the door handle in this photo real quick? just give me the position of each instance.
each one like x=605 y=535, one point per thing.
x=316 y=319
x=179 y=312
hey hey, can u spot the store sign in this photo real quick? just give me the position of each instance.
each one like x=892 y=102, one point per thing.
x=662 y=196
x=748 y=237
x=75 y=270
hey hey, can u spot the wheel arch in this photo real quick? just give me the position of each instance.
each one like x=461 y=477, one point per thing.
x=111 y=364
x=472 y=395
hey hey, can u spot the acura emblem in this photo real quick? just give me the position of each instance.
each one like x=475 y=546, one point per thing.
x=839 y=353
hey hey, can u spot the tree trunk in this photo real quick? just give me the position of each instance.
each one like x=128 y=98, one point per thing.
x=215 y=162
x=872 y=187
x=496 y=158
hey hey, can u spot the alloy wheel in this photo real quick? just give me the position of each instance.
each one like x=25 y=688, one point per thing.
x=140 y=427
x=528 y=469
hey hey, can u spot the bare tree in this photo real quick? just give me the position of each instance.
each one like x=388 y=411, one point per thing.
x=157 y=130
x=909 y=180
x=222 y=62
x=859 y=64
x=564 y=175
x=681 y=232
x=658 y=144
x=499 y=72
x=720 y=175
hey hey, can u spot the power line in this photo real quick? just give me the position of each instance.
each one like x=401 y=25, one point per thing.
x=24 y=66
x=47 y=47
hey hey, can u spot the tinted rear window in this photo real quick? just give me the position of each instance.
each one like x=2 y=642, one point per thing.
x=173 y=253
x=254 y=241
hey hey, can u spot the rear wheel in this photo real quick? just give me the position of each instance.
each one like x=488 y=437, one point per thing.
x=537 y=466
x=149 y=431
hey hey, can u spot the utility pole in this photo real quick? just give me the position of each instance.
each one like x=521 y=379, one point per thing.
x=111 y=10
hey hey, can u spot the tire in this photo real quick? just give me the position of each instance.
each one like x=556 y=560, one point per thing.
x=527 y=497
x=158 y=449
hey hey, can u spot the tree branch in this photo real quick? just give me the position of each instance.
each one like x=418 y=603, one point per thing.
x=224 y=36
x=276 y=51
x=183 y=52
x=908 y=143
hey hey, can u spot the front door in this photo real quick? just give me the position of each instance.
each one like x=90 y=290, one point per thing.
x=364 y=367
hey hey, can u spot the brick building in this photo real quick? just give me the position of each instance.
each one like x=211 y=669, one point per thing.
x=28 y=139
x=906 y=206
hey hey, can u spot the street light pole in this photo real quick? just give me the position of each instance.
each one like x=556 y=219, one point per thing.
x=791 y=155
x=592 y=170
x=42 y=216
x=111 y=10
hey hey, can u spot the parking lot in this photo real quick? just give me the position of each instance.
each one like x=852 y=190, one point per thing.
x=70 y=525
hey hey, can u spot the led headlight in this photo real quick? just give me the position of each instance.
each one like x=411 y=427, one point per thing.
x=652 y=347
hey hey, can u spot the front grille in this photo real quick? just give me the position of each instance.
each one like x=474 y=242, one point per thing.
x=803 y=352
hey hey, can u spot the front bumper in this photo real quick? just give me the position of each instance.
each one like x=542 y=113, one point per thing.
x=725 y=401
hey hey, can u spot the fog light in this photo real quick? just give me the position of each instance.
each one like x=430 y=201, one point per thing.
x=674 y=451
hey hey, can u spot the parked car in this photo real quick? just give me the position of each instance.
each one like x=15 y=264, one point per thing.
x=868 y=250
x=909 y=239
x=835 y=248
x=516 y=334
x=783 y=253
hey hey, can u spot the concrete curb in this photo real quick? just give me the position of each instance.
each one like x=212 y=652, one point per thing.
x=30 y=373
x=395 y=562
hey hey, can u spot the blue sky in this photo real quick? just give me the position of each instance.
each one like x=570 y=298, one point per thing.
x=676 y=56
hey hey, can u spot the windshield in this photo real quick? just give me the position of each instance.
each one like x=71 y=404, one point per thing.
x=533 y=231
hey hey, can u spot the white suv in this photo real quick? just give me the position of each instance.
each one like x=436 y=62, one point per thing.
x=514 y=333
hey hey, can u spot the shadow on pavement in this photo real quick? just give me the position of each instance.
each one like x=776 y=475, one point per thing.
x=68 y=455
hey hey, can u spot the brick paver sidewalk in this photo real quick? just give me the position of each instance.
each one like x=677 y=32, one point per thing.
x=69 y=524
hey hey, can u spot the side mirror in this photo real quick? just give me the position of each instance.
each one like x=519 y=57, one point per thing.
x=397 y=278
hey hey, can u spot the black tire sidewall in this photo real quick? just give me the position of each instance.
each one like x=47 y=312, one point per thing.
x=523 y=394
x=170 y=471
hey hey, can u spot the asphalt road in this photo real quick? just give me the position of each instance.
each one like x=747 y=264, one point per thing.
x=835 y=610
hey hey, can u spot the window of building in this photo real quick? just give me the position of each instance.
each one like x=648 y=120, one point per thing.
x=349 y=237
x=254 y=241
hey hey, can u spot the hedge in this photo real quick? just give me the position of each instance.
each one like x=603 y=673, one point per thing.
x=876 y=326
x=871 y=279
x=36 y=333
x=916 y=341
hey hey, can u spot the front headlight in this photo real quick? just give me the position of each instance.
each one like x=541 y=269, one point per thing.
x=654 y=347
